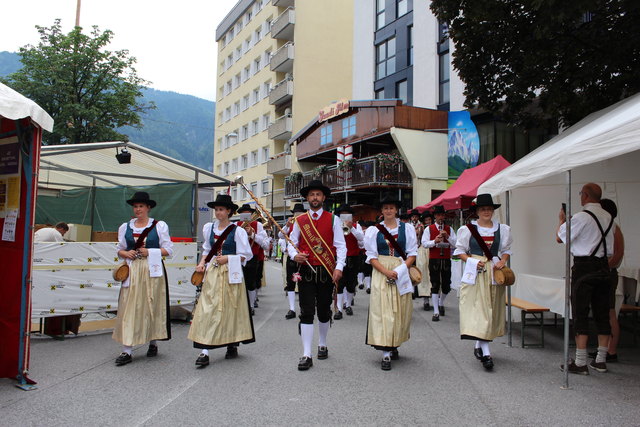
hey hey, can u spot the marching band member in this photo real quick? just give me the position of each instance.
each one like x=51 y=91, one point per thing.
x=258 y=239
x=221 y=317
x=391 y=249
x=289 y=266
x=354 y=240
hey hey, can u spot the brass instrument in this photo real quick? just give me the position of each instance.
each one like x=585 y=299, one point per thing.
x=346 y=230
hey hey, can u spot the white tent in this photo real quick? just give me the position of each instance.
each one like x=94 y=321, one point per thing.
x=15 y=106
x=603 y=148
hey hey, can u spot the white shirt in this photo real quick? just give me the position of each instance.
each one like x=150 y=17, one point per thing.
x=260 y=237
x=585 y=234
x=47 y=234
x=338 y=239
x=371 y=240
x=464 y=236
x=161 y=227
x=432 y=243
x=243 y=248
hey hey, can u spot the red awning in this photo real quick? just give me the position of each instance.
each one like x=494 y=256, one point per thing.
x=460 y=194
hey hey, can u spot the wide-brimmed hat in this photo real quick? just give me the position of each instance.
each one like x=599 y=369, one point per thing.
x=246 y=208
x=485 y=200
x=438 y=209
x=298 y=207
x=344 y=209
x=414 y=212
x=142 y=197
x=223 y=200
x=390 y=199
x=315 y=185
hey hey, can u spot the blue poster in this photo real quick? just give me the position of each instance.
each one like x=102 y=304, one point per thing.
x=464 y=143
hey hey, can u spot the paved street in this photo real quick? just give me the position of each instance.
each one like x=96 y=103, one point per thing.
x=436 y=381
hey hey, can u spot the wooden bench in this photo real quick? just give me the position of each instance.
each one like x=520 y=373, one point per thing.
x=537 y=318
x=633 y=310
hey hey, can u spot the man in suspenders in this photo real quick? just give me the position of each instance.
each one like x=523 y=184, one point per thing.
x=354 y=238
x=591 y=244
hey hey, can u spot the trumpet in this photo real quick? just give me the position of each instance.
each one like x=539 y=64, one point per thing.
x=346 y=230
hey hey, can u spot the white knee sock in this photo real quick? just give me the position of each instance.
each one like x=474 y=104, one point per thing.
x=204 y=351
x=442 y=297
x=340 y=299
x=349 y=299
x=485 y=348
x=367 y=282
x=323 y=330
x=477 y=344
x=386 y=354
x=306 y=332
x=252 y=298
x=292 y=300
x=435 y=300
x=360 y=278
x=127 y=349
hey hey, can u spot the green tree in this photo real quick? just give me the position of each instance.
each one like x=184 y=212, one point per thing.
x=89 y=91
x=537 y=59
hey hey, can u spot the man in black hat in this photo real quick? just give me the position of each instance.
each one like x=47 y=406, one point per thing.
x=354 y=238
x=290 y=266
x=439 y=238
x=320 y=249
x=259 y=241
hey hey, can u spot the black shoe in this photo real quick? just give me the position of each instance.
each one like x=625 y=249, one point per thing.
x=611 y=358
x=426 y=306
x=386 y=364
x=361 y=286
x=123 y=359
x=202 y=360
x=368 y=290
x=255 y=304
x=232 y=352
x=435 y=318
x=441 y=310
x=344 y=305
x=349 y=311
x=337 y=316
x=323 y=352
x=395 y=355
x=290 y=314
x=477 y=352
x=575 y=369
x=487 y=362
x=305 y=363
x=152 y=351
x=252 y=311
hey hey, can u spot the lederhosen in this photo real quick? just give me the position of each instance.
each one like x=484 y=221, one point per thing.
x=590 y=287
x=252 y=270
x=350 y=273
x=439 y=263
x=315 y=290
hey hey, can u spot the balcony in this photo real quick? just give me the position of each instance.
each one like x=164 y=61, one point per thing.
x=282 y=59
x=367 y=172
x=281 y=128
x=282 y=3
x=276 y=205
x=282 y=27
x=281 y=92
x=280 y=164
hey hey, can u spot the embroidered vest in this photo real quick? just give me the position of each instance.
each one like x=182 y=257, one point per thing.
x=229 y=245
x=151 y=242
x=324 y=225
x=435 y=252
x=352 y=244
x=383 y=247
x=493 y=242
x=256 y=249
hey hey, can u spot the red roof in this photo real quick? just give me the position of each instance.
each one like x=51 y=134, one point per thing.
x=465 y=189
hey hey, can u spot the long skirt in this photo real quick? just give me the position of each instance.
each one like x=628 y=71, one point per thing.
x=143 y=307
x=482 y=307
x=222 y=314
x=422 y=262
x=389 y=313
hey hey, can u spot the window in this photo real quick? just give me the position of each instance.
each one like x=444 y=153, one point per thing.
x=227 y=88
x=266 y=121
x=253 y=158
x=219 y=169
x=349 y=126
x=267 y=57
x=244 y=132
x=254 y=188
x=256 y=126
x=264 y=186
x=246 y=45
x=245 y=102
x=265 y=154
x=234 y=165
x=386 y=58
x=236 y=108
x=267 y=26
x=236 y=81
x=246 y=73
x=259 y=34
x=266 y=88
x=244 y=162
x=410 y=43
x=226 y=168
x=256 y=96
x=379 y=94
x=380 y=18
x=401 y=91
x=219 y=149
x=234 y=194
x=237 y=53
x=326 y=134
x=402 y=7
x=257 y=64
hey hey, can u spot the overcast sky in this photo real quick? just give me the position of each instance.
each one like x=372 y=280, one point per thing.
x=173 y=41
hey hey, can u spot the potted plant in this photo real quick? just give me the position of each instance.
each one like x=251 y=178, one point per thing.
x=347 y=164
x=389 y=159
x=295 y=176
x=318 y=171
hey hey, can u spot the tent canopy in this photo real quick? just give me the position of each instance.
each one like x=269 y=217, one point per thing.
x=460 y=194
x=602 y=135
x=94 y=164
x=14 y=106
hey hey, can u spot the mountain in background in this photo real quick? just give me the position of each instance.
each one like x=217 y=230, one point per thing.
x=181 y=126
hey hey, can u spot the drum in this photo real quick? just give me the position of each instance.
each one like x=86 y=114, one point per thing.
x=121 y=272
x=415 y=274
x=197 y=278
x=505 y=276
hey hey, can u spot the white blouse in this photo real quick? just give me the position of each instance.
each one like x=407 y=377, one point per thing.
x=242 y=240
x=464 y=235
x=161 y=227
x=371 y=240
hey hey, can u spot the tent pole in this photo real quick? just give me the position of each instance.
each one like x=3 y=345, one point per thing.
x=93 y=203
x=509 y=331
x=196 y=209
x=567 y=284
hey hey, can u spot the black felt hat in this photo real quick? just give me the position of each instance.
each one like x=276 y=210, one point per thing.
x=142 y=197
x=343 y=209
x=485 y=200
x=315 y=185
x=246 y=208
x=298 y=207
x=414 y=212
x=438 y=209
x=390 y=199
x=223 y=200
